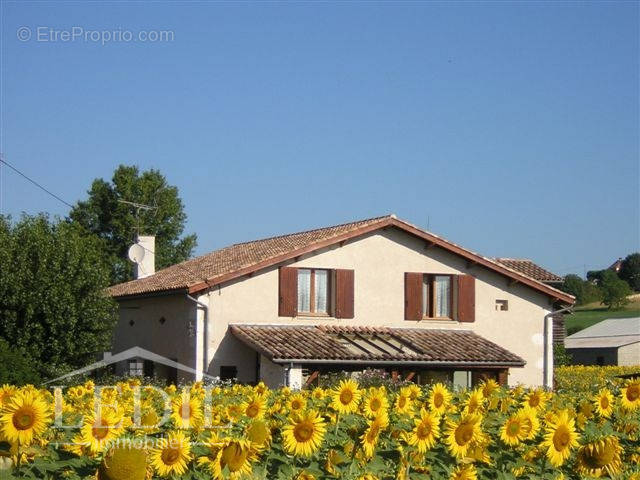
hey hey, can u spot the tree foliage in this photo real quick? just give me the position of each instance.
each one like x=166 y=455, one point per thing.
x=630 y=271
x=52 y=301
x=595 y=276
x=16 y=367
x=614 y=290
x=117 y=223
x=584 y=291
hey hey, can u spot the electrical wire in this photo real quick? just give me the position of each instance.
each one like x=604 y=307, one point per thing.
x=35 y=183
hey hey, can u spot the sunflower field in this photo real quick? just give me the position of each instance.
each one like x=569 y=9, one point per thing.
x=131 y=431
x=580 y=378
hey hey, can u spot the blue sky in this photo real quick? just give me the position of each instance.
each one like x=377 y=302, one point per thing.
x=511 y=128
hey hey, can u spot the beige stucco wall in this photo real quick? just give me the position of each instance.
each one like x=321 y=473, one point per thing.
x=380 y=260
x=174 y=339
x=629 y=354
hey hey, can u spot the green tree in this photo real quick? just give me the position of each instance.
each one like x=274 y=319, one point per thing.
x=16 y=368
x=630 y=271
x=614 y=290
x=595 y=276
x=117 y=223
x=52 y=301
x=584 y=291
x=573 y=285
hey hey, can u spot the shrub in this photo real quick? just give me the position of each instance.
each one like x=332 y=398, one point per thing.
x=15 y=366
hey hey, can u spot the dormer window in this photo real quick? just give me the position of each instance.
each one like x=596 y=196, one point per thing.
x=313 y=291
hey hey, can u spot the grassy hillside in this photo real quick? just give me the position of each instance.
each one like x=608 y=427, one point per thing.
x=587 y=315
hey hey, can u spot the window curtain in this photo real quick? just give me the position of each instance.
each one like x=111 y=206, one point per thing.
x=304 y=290
x=425 y=296
x=321 y=290
x=443 y=296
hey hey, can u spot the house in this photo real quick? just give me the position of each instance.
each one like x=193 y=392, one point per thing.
x=526 y=266
x=616 y=266
x=378 y=293
x=615 y=341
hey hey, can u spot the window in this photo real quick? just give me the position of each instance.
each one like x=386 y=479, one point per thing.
x=502 y=305
x=313 y=291
x=228 y=372
x=136 y=368
x=436 y=296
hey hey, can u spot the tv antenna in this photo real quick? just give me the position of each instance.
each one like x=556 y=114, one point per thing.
x=138 y=207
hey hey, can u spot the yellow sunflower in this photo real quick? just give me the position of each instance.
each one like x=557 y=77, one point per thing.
x=6 y=392
x=631 y=394
x=123 y=463
x=259 y=434
x=303 y=475
x=98 y=431
x=425 y=431
x=261 y=389
x=464 y=472
x=414 y=391
x=560 y=438
x=255 y=407
x=439 y=398
x=531 y=421
x=372 y=433
x=234 y=411
x=375 y=402
x=346 y=397
x=474 y=402
x=460 y=435
x=171 y=454
x=599 y=458
x=603 y=402
x=296 y=403
x=488 y=387
x=403 y=404
x=23 y=417
x=318 y=393
x=304 y=434
x=516 y=429
x=234 y=455
x=586 y=408
x=187 y=412
x=334 y=458
x=535 y=399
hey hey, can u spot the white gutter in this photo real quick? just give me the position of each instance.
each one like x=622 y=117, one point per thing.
x=205 y=347
x=548 y=346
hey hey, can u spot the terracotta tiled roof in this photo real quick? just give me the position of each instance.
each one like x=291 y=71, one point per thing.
x=309 y=343
x=530 y=269
x=230 y=259
x=222 y=265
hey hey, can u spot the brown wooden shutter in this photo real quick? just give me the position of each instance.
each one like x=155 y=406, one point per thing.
x=466 y=298
x=413 y=296
x=288 y=292
x=344 y=294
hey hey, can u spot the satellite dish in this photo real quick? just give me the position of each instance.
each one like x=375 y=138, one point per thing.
x=136 y=253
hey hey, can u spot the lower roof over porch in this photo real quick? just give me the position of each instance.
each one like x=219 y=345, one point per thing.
x=327 y=344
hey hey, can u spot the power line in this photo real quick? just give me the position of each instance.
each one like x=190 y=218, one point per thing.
x=137 y=206
x=34 y=182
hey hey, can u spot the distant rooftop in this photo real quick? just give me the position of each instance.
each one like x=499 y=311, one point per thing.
x=613 y=332
x=527 y=267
